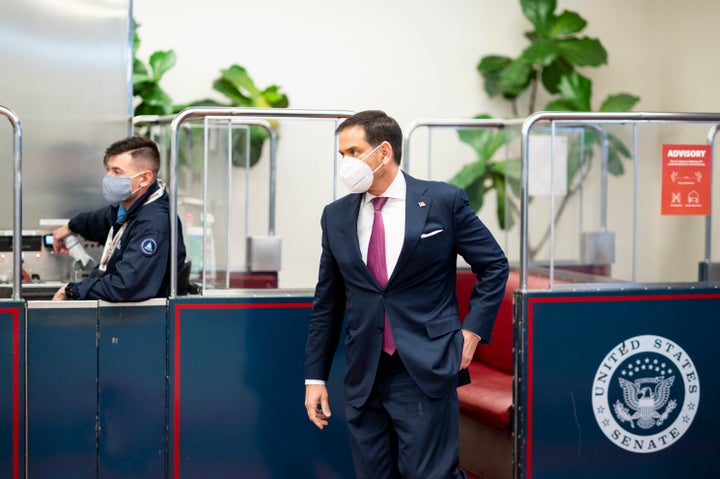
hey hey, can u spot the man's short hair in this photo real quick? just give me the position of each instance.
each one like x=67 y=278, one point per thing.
x=142 y=150
x=378 y=127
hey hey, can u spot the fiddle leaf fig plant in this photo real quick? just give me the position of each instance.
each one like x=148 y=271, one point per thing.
x=146 y=81
x=486 y=174
x=234 y=83
x=551 y=61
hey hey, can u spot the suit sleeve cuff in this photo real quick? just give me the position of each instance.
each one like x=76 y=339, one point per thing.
x=72 y=290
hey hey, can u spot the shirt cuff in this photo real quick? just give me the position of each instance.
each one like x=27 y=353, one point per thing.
x=319 y=382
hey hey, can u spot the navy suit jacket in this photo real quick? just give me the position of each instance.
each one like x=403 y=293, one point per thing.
x=419 y=297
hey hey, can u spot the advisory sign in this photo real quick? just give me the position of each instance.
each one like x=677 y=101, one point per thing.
x=686 y=179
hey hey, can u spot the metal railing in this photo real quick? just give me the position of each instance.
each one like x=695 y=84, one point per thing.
x=254 y=114
x=504 y=124
x=590 y=118
x=478 y=123
x=17 y=199
x=708 y=221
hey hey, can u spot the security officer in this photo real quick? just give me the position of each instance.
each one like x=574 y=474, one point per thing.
x=135 y=229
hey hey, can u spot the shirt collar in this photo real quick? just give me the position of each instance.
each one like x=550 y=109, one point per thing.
x=121 y=214
x=397 y=189
x=140 y=201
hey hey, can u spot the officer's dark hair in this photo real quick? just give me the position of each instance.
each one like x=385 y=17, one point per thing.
x=142 y=150
x=378 y=128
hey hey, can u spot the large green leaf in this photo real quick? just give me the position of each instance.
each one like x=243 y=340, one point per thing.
x=495 y=141
x=616 y=150
x=516 y=77
x=476 y=194
x=511 y=168
x=541 y=52
x=619 y=102
x=136 y=39
x=239 y=78
x=491 y=67
x=617 y=145
x=493 y=64
x=160 y=63
x=559 y=105
x=178 y=107
x=504 y=214
x=567 y=23
x=228 y=89
x=469 y=174
x=576 y=89
x=540 y=13
x=575 y=159
x=583 y=51
x=493 y=85
x=258 y=136
x=148 y=109
x=485 y=141
x=552 y=73
x=140 y=73
x=615 y=164
x=274 y=97
x=477 y=139
x=154 y=95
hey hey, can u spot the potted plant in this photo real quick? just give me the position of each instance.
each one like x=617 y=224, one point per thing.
x=552 y=61
x=234 y=83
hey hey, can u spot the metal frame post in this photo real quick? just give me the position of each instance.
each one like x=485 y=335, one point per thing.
x=17 y=199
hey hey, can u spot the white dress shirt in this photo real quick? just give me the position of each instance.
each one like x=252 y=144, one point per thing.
x=393 y=215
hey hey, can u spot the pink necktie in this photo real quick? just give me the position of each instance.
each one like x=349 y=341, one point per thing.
x=377 y=265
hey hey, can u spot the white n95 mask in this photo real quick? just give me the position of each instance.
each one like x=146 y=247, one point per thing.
x=356 y=174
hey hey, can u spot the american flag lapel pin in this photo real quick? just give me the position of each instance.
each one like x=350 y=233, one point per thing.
x=421 y=204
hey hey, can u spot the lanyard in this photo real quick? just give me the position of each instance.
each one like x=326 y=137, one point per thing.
x=113 y=241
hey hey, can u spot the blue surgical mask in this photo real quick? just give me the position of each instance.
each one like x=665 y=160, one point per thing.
x=117 y=189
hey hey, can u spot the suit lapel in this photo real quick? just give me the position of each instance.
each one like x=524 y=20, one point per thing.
x=417 y=207
x=348 y=227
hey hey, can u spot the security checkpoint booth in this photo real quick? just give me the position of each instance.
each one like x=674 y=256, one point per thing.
x=615 y=376
x=199 y=385
x=612 y=370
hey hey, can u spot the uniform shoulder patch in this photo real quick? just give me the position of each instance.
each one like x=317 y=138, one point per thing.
x=148 y=246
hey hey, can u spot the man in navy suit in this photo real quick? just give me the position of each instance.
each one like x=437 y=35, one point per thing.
x=404 y=341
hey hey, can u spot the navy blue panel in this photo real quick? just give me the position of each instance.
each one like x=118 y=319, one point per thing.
x=62 y=392
x=12 y=387
x=132 y=391
x=238 y=410
x=577 y=355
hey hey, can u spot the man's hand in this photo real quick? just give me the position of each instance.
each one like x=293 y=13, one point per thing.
x=469 y=345
x=58 y=236
x=60 y=295
x=316 y=403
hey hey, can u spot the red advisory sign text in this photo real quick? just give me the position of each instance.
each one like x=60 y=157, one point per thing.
x=686 y=179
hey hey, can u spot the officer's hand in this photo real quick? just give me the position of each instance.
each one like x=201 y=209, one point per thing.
x=59 y=236
x=60 y=295
x=316 y=403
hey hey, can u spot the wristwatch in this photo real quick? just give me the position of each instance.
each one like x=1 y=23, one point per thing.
x=72 y=290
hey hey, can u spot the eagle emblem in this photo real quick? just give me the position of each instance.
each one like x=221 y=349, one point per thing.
x=645 y=401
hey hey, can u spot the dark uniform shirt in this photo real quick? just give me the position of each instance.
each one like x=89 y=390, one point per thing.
x=139 y=268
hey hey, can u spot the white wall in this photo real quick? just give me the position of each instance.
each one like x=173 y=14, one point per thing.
x=415 y=59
